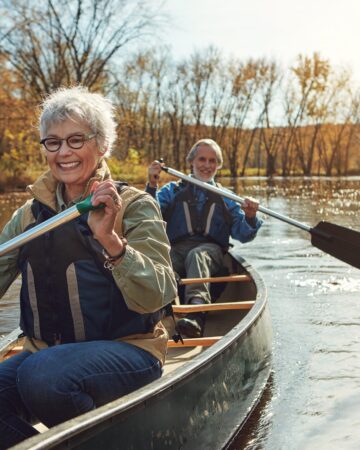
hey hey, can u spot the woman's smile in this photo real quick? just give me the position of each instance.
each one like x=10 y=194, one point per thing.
x=69 y=165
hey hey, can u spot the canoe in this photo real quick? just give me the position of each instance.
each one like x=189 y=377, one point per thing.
x=209 y=388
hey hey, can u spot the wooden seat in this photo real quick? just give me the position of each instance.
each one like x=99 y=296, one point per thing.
x=204 y=307
x=195 y=342
x=226 y=279
x=13 y=351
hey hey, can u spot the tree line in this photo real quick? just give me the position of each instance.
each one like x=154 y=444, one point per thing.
x=301 y=119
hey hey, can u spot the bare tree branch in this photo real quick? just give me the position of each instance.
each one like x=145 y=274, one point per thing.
x=54 y=43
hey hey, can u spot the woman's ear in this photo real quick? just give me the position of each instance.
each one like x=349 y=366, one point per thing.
x=103 y=150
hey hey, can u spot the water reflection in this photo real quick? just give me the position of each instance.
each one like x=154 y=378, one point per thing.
x=9 y=203
x=253 y=434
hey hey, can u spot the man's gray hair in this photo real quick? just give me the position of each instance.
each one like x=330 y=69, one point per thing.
x=78 y=103
x=209 y=143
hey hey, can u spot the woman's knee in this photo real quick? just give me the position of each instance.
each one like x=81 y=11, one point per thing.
x=28 y=378
x=37 y=380
x=51 y=394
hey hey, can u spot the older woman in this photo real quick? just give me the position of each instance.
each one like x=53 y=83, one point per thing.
x=200 y=224
x=92 y=289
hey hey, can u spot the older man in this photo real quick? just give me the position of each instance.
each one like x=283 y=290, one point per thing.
x=200 y=224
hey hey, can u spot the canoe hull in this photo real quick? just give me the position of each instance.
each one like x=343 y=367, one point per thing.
x=204 y=410
x=201 y=405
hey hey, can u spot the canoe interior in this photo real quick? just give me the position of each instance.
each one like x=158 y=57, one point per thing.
x=217 y=323
x=205 y=394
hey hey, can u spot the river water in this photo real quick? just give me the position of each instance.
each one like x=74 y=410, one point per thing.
x=313 y=398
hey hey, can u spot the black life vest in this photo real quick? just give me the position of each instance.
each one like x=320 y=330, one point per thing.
x=184 y=219
x=67 y=295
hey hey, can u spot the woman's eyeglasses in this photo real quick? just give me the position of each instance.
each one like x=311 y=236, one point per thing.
x=76 y=141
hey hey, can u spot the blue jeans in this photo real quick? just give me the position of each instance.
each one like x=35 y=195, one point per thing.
x=61 y=382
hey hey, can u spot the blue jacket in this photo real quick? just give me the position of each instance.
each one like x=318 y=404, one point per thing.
x=192 y=211
x=67 y=295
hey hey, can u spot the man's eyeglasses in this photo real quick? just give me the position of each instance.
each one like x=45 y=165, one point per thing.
x=76 y=141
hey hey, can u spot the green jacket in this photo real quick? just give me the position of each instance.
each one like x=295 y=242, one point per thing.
x=146 y=266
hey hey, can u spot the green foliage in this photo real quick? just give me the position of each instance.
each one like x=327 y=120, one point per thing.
x=21 y=162
x=249 y=172
x=130 y=169
x=133 y=169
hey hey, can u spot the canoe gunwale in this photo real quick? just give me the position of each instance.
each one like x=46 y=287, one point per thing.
x=10 y=341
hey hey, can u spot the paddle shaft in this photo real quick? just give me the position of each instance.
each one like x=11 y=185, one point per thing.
x=61 y=218
x=234 y=197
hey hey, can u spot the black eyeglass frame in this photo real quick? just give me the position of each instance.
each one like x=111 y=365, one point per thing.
x=86 y=137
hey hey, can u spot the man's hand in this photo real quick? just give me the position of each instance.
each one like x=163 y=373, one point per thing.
x=154 y=171
x=250 y=207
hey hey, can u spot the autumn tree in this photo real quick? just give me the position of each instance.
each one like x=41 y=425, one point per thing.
x=59 y=43
x=245 y=83
x=131 y=96
x=307 y=108
x=334 y=139
x=347 y=159
x=221 y=102
x=20 y=155
x=175 y=98
x=269 y=135
x=199 y=71
x=158 y=74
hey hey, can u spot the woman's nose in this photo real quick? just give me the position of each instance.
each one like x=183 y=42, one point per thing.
x=65 y=148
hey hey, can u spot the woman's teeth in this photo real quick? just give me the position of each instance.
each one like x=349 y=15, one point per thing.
x=69 y=165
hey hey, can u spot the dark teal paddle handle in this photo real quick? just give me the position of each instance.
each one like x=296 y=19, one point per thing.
x=85 y=205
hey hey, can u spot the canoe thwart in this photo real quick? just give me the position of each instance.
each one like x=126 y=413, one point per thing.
x=181 y=309
x=229 y=278
x=13 y=351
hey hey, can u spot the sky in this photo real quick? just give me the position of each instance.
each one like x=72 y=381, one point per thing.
x=279 y=29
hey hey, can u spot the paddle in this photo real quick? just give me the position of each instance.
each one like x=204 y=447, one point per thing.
x=64 y=217
x=340 y=242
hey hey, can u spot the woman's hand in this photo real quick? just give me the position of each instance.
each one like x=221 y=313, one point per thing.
x=102 y=221
x=250 y=207
x=154 y=171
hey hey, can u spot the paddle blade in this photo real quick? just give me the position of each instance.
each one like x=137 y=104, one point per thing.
x=343 y=243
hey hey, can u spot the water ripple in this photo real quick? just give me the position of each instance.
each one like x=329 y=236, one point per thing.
x=332 y=284
x=325 y=323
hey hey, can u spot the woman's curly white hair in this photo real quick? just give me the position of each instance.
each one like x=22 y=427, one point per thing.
x=77 y=102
